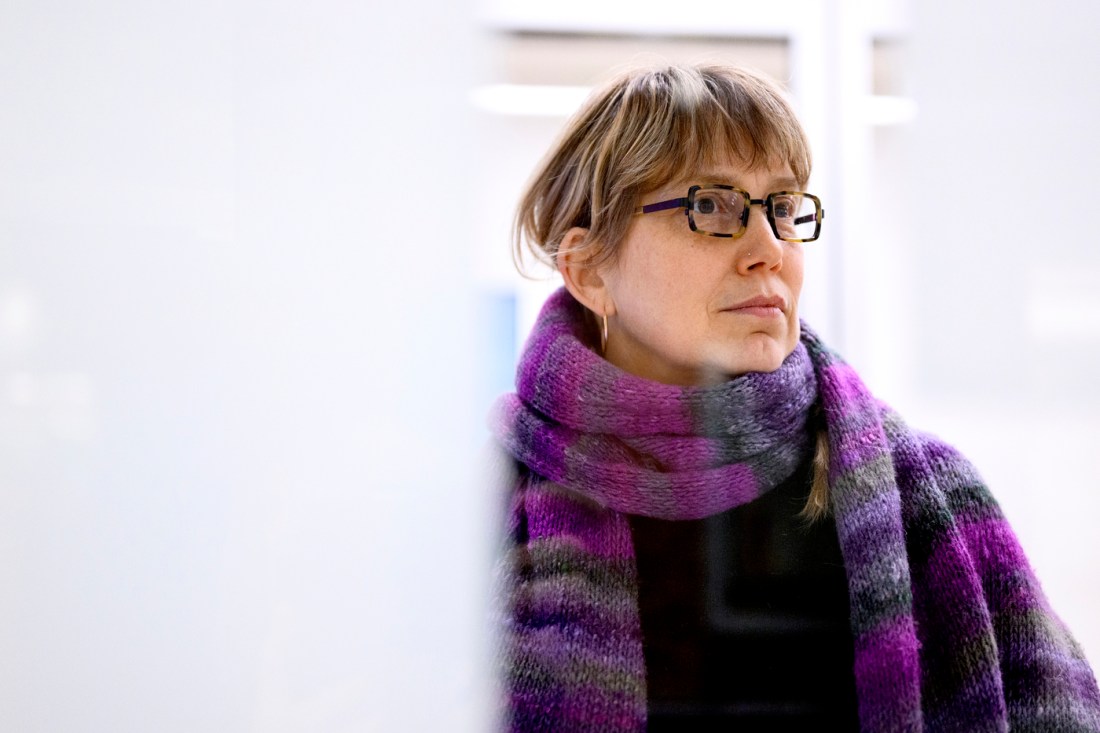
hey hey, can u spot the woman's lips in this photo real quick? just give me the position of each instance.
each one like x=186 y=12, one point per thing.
x=762 y=306
x=762 y=311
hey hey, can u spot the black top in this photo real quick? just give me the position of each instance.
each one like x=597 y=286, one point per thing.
x=745 y=619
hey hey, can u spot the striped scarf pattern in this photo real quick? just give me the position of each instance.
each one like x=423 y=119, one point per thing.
x=950 y=627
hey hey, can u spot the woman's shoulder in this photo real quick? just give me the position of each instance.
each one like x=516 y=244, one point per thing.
x=931 y=471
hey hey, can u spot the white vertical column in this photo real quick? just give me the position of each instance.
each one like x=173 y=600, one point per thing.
x=849 y=58
x=811 y=87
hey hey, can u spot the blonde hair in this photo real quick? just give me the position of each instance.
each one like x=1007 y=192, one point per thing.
x=817 y=503
x=641 y=131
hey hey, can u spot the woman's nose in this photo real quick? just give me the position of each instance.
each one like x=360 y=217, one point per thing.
x=758 y=249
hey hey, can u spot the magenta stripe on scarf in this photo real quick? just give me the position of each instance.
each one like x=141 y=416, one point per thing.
x=888 y=677
x=591 y=527
x=858 y=448
x=994 y=546
x=845 y=386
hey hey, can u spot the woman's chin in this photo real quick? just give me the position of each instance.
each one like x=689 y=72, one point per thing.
x=756 y=353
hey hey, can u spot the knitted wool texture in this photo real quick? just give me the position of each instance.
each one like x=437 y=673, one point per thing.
x=950 y=627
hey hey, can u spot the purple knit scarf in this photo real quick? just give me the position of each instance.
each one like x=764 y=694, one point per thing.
x=950 y=628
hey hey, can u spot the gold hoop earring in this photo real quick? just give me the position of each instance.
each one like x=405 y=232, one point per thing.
x=603 y=336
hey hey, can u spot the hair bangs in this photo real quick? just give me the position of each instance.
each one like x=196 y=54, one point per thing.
x=645 y=130
x=726 y=114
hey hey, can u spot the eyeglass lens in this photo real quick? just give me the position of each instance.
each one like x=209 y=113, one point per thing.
x=722 y=211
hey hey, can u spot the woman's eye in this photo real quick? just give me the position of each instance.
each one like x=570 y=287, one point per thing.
x=706 y=206
x=783 y=208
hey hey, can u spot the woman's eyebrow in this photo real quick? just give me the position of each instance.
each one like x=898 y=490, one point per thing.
x=711 y=177
x=784 y=184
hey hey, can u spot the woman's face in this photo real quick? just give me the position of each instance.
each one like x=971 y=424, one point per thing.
x=676 y=297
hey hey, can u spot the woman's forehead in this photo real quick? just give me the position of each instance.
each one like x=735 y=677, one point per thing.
x=773 y=176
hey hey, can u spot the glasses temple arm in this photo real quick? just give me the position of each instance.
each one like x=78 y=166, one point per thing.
x=661 y=206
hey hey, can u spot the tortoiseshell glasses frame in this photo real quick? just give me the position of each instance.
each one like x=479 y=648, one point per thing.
x=771 y=203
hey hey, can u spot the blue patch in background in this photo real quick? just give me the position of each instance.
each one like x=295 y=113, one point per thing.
x=497 y=316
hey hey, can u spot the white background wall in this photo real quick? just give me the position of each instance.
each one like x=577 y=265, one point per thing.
x=235 y=360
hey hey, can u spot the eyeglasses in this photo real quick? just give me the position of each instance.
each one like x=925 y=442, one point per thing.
x=717 y=210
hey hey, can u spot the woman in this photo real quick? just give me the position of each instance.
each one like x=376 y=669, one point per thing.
x=712 y=521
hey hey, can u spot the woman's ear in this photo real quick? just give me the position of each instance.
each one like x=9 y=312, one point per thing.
x=584 y=282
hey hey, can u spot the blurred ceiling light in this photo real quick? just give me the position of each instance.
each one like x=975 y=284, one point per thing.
x=529 y=100
x=16 y=314
x=881 y=110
